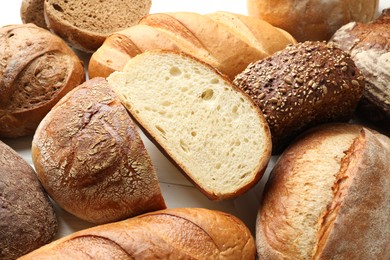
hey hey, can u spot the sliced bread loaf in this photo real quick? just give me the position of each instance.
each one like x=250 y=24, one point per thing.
x=208 y=127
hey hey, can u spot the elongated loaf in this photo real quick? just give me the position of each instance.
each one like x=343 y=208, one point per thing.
x=328 y=197
x=210 y=129
x=182 y=233
x=224 y=40
x=91 y=160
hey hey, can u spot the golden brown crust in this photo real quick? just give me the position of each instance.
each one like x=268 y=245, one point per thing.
x=27 y=217
x=201 y=36
x=38 y=68
x=191 y=233
x=87 y=149
x=301 y=86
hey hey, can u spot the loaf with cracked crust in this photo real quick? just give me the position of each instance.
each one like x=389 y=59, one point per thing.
x=182 y=233
x=27 y=217
x=301 y=86
x=328 y=197
x=37 y=68
x=226 y=41
x=91 y=160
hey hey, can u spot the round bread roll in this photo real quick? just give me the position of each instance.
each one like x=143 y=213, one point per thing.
x=369 y=46
x=27 y=217
x=91 y=160
x=86 y=24
x=328 y=197
x=314 y=20
x=37 y=69
x=31 y=11
x=301 y=86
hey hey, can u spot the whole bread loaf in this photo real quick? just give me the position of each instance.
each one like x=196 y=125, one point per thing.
x=328 y=197
x=210 y=129
x=37 y=68
x=27 y=217
x=227 y=41
x=182 y=233
x=91 y=160
x=313 y=20
x=301 y=86
x=369 y=47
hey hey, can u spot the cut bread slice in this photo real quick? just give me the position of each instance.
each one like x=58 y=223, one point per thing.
x=209 y=128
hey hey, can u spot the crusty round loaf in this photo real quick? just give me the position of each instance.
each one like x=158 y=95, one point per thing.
x=302 y=86
x=27 y=217
x=37 y=68
x=328 y=197
x=31 y=11
x=314 y=20
x=369 y=46
x=91 y=160
x=86 y=24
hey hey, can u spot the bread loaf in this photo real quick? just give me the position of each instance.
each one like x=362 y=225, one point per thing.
x=313 y=20
x=31 y=11
x=86 y=24
x=328 y=197
x=37 y=69
x=186 y=233
x=302 y=86
x=227 y=41
x=91 y=159
x=369 y=47
x=27 y=217
x=210 y=130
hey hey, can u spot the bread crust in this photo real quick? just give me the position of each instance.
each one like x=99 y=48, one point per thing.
x=38 y=69
x=87 y=149
x=354 y=207
x=183 y=233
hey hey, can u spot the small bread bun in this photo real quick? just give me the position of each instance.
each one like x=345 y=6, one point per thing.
x=328 y=197
x=91 y=159
x=86 y=24
x=312 y=20
x=31 y=11
x=37 y=68
x=301 y=86
x=27 y=217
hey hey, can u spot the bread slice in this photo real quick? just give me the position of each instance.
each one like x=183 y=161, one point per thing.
x=210 y=129
x=86 y=24
x=31 y=11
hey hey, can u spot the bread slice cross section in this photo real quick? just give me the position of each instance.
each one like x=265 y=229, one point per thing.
x=206 y=126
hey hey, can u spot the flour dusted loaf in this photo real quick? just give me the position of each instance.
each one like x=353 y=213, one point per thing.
x=91 y=160
x=314 y=20
x=182 y=233
x=37 y=68
x=226 y=41
x=369 y=47
x=27 y=217
x=302 y=86
x=210 y=129
x=31 y=11
x=86 y=24
x=328 y=197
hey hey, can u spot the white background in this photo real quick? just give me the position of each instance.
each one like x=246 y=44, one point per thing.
x=177 y=191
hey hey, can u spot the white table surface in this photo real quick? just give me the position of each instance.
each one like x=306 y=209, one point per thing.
x=177 y=191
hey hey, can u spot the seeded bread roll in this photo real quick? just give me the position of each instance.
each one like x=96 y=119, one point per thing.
x=91 y=159
x=86 y=24
x=27 y=217
x=31 y=11
x=369 y=46
x=37 y=68
x=302 y=86
x=328 y=197
x=314 y=20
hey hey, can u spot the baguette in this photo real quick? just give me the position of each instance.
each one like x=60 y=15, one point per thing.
x=186 y=233
x=210 y=130
x=226 y=41
x=328 y=197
